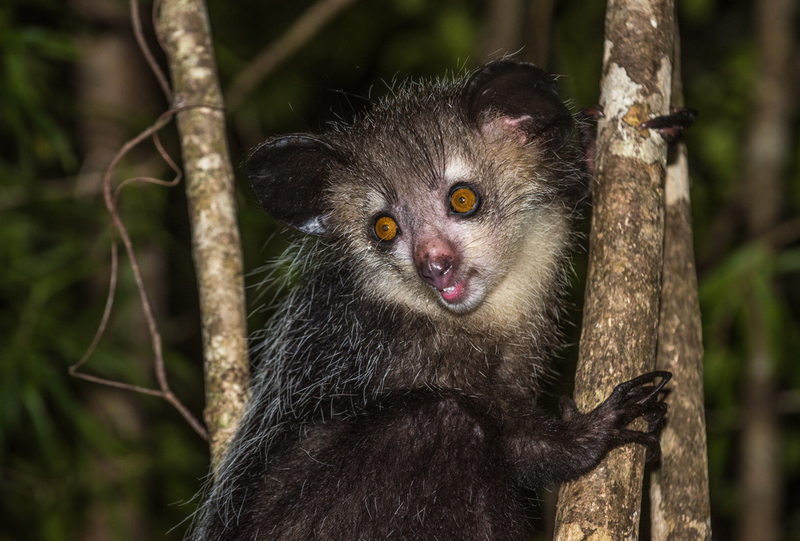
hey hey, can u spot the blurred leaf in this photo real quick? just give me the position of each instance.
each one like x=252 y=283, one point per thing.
x=788 y=261
x=697 y=11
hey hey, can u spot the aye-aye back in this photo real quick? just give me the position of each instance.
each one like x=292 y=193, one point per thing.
x=395 y=391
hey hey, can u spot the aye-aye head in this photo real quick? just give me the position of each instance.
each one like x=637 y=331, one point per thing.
x=451 y=199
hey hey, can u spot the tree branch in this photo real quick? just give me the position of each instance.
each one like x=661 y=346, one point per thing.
x=680 y=507
x=618 y=339
x=184 y=30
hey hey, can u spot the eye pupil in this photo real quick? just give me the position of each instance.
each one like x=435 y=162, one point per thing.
x=463 y=200
x=385 y=228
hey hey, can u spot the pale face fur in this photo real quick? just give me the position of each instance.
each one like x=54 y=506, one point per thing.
x=509 y=250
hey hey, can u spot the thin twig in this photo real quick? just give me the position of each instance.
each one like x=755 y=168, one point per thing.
x=160 y=123
x=101 y=329
x=117 y=384
x=155 y=19
x=273 y=55
x=156 y=69
x=118 y=228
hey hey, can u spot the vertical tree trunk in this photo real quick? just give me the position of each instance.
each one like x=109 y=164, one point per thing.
x=679 y=489
x=216 y=248
x=680 y=506
x=537 y=35
x=504 y=25
x=618 y=339
x=766 y=158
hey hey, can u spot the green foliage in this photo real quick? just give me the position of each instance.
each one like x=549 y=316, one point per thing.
x=28 y=71
x=577 y=49
x=70 y=448
x=74 y=457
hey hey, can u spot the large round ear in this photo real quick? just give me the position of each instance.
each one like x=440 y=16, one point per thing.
x=521 y=98
x=290 y=176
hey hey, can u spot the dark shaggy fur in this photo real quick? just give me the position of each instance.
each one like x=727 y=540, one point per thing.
x=395 y=395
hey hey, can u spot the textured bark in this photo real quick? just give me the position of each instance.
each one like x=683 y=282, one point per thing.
x=679 y=488
x=680 y=508
x=216 y=247
x=618 y=339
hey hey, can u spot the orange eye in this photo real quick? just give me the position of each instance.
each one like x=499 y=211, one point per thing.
x=385 y=228
x=463 y=200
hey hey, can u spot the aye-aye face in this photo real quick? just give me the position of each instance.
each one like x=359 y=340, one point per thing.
x=452 y=199
x=474 y=227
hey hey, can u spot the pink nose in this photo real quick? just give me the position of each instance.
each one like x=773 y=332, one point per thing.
x=436 y=262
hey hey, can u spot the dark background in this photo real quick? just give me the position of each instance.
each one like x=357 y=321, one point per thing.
x=79 y=461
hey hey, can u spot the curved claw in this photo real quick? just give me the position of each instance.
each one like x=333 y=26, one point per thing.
x=653 y=452
x=626 y=387
x=641 y=400
x=595 y=112
x=670 y=126
x=665 y=377
x=655 y=417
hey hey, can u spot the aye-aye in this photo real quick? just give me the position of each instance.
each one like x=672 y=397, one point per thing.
x=395 y=395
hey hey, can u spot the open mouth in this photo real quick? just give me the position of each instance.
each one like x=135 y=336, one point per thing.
x=463 y=296
x=452 y=293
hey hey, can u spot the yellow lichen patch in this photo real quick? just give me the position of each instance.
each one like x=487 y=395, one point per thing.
x=635 y=115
